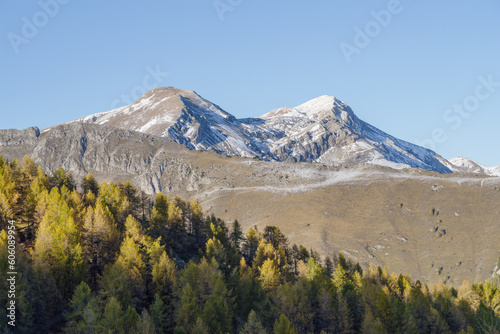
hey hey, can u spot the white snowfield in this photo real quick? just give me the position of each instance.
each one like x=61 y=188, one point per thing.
x=324 y=130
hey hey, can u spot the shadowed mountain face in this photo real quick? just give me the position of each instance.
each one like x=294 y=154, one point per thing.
x=432 y=226
x=324 y=129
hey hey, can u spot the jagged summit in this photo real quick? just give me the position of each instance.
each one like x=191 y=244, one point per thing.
x=323 y=129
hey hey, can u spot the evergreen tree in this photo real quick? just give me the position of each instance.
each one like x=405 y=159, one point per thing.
x=249 y=293
x=329 y=266
x=164 y=283
x=145 y=324
x=89 y=183
x=253 y=238
x=84 y=312
x=325 y=316
x=116 y=283
x=410 y=326
x=116 y=320
x=58 y=249
x=204 y=294
x=217 y=311
x=164 y=276
x=159 y=217
x=197 y=228
x=188 y=311
x=253 y=325
x=372 y=325
x=62 y=179
x=131 y=194
x=275 y=237
x=270 y=276
x=132 y=261
x=101 y=238
x=284 y=326
x=112 y=197
x=201 y=328
x=40 y=183
x=37 y=299
x=345 y=318
x=487 y=321
x=303 y=254
x=294 y=258
x=294 y=301
x=236 y=235
x=9 y=196
x=162 y=321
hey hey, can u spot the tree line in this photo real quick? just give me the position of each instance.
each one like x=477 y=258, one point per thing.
x=103 y=258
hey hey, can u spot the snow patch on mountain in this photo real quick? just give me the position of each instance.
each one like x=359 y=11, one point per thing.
x=461 y=164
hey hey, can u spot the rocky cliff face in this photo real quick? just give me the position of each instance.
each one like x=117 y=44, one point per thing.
x=107 y=152
x=12 y=137
x=324 y=129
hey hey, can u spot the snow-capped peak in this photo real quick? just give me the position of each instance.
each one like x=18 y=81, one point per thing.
x=461 y=164
x=319 y=107
x=466 y=163
x=319 y=104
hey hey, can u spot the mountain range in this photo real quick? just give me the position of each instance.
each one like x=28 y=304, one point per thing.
x=324 y=130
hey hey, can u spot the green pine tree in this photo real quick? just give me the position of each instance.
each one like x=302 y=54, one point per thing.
x=253 y=325
x=284 y=326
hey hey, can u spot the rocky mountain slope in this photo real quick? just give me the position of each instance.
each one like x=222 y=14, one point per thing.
x=324 y=130
x=430 y=225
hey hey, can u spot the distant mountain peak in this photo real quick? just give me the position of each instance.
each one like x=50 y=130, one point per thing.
x=323 y=129
x=319 y=104
x=462 y=164
x=321 y=108
x=168 y=91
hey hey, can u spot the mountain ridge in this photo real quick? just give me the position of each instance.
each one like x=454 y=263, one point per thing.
x=323 y=129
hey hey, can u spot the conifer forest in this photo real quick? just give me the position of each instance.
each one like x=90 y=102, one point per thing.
x=103 y=257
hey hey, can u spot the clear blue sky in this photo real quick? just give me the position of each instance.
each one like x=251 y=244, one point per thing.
x=412 y=67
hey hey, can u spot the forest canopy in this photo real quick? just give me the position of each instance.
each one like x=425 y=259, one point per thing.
x=105 y=258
